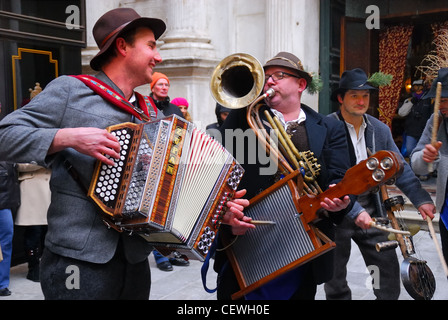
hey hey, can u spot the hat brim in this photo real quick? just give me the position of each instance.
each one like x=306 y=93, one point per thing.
x=284 y=64
x=431 y=94
x=157 y=26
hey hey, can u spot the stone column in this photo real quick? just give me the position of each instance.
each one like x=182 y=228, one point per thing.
x=293 y=26
x=186 y=35
x=188 y=56
x=278 y=27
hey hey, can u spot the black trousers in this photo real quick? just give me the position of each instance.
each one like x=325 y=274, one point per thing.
x=64 y=278
x=386 y=262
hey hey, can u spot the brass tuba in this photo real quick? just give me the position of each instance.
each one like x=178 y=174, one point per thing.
x=238 y=82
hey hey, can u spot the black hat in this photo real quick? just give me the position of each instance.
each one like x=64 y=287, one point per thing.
x=110 y=25
x=355 y=79
x=442 y=77
x=288 y=60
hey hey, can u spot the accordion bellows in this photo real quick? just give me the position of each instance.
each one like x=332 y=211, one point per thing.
x=170 y=185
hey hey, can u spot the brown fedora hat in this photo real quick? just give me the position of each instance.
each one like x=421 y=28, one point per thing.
x=288 y=60
x=110 y=25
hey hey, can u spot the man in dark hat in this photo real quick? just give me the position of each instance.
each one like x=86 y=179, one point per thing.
x=366 y=133
x=425 y=153
x=65 y=124
x=310 y=131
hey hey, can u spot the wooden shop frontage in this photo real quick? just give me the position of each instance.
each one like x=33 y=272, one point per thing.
x=403 y=36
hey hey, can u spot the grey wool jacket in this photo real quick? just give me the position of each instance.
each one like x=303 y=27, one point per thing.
x=75 y=228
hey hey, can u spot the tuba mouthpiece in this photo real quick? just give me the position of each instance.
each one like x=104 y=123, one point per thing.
x=270 y=93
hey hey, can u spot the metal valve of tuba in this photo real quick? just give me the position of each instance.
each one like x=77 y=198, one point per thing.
x=237 y=82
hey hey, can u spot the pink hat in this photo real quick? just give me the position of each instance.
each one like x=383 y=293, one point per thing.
x=180 y=102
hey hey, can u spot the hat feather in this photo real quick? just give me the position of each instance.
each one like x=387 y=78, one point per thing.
x=379 y=79
x=316 y=84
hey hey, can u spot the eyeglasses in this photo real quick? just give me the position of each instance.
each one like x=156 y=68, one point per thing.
x=279 y=75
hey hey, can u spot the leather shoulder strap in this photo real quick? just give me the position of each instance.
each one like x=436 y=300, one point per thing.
x=148 y=104
x=110 y=95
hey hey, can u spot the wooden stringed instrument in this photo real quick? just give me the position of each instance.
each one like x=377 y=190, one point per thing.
x=292 y=239
x=366 y=175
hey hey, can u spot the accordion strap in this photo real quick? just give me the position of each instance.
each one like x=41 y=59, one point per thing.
x=147 y=105
x=205 y=266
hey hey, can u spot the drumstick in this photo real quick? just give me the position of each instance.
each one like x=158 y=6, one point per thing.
x=261 y=222
x=388 y=229
x=436 y=243
x=435 y=125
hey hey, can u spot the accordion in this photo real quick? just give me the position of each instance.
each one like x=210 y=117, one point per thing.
x=270 y=250
x=170 y=185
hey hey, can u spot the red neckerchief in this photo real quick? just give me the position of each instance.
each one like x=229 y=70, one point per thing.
x=110 y=95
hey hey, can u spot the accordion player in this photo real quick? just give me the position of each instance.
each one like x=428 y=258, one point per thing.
x=170 y=185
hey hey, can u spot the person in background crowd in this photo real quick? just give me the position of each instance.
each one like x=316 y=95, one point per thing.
x=416 y=112
x=32 y=214
x=9 y=202
x=425 y=153
x=183 y=105
x=160 y=86
x=221 y=115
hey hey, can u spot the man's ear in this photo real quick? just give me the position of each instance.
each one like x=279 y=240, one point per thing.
x=121 y=46
x=340 y=100
x=302 y=84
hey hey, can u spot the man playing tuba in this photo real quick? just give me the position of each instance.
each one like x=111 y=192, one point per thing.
x=309 y=130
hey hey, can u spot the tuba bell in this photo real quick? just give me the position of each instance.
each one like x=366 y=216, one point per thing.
x=237 y=81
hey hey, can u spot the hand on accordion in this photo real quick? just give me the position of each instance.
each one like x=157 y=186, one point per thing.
x=98 y=143
x=235 y=216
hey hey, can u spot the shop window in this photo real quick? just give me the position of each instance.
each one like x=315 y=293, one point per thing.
x=29 y=67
